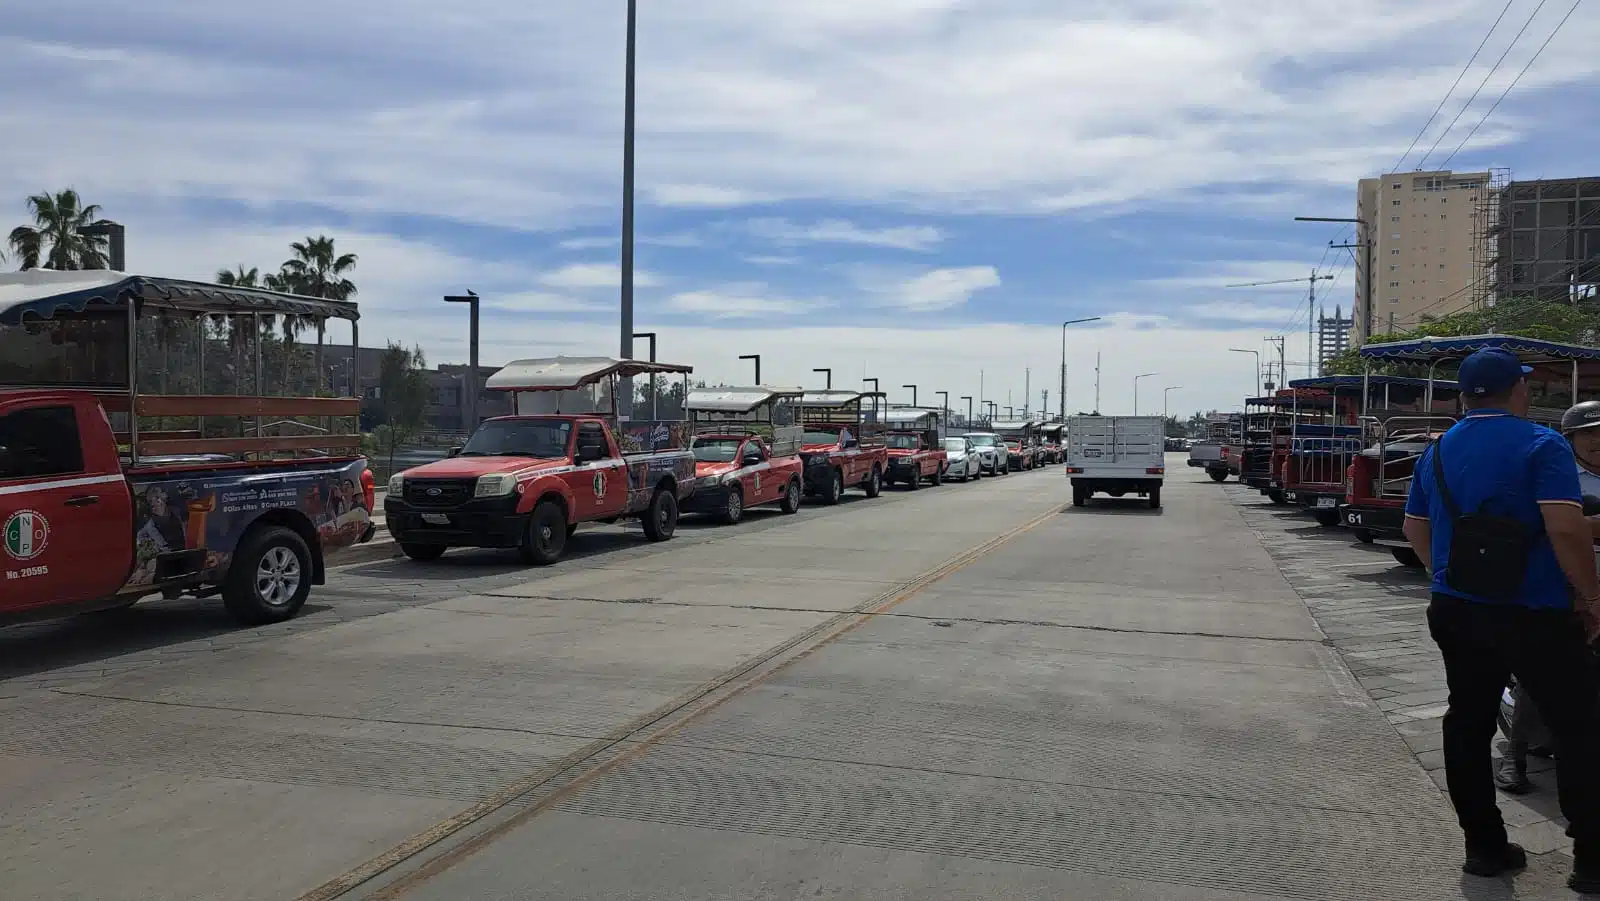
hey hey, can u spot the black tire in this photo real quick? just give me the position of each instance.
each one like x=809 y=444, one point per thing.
x=791 y=498
x=1217 y=476
x=1155 y=498
x=1276 y=496
x=1405 y=556
x=572 y=529
x=733 y=508
x=661 y=517
x=938 y=475
x=546 y=538
x=1080 y=497
x=874 y=485
x=270 y=577
x=422 y=552
x=915 y=481
x=834 y=490
x=1326 y=518
x=1362 y=535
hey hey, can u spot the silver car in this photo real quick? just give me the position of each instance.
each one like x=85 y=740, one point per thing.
x=994 y=458
x=963 y=460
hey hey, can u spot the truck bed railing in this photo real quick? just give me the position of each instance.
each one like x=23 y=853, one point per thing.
x=1393 y=430
x=145 y=432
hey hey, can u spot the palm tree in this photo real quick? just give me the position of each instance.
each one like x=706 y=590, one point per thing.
x=317 y=269
x=240 y=278
x=58 y=223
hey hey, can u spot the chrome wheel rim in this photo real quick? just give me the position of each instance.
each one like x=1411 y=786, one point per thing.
x=735 y=505
x=278 y=577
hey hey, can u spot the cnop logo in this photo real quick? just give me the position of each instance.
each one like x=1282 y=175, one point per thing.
x=600 y=484
x=25 y=534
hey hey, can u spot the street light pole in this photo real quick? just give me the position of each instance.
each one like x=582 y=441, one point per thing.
x=652 y=337
x=875 y=388
x=1064 y=325
x=471 y=300
x=116 y=242
x=913 y=393
x=1368 y=242
x=1165 y=395
x=829 y=374
x=944 y=409
x=757 y=358
x=1257 y=354
x=1142 y=375
x=994 y=410
x=628 y=121
x=968 y=399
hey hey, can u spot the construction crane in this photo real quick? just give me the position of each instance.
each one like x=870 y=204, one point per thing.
x=1311 y=312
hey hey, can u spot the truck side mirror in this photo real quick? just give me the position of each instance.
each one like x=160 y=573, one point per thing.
x=454 y=451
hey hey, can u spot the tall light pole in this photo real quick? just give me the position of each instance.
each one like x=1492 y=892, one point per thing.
x=875 y=388
x=1368 y=242
x=913 y=393
x=968 y=399
x=116 y=242
x=1011 y=413
x=944 y=407
x=1165 y=396
x=1257 y=354
x=757 y=359
x=1142 y=375
x=628 y=119
x=652 y=337
x=994 y=409
x=829 y=373
x=471 y=300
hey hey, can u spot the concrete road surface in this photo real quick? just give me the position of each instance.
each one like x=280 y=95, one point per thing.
x=966 y=692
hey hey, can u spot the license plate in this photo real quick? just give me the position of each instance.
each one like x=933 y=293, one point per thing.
x=436 y=519
x=1325 y=502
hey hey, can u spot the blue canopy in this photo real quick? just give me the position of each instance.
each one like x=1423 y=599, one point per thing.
x=1427 y=350
x=42 y=293
x=1375 y=381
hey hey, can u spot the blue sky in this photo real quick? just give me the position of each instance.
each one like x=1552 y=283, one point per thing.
x=914 y=190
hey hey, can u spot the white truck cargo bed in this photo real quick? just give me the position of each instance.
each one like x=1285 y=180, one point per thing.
x=1116 y=455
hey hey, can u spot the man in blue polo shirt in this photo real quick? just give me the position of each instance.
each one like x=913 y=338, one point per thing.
x=1498 y=464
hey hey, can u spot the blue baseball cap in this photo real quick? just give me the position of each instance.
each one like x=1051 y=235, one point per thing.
x=1490 y=371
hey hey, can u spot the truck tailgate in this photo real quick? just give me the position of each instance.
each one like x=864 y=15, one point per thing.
x=1116 y=444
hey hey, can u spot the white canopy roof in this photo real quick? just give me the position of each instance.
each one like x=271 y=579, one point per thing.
x=908 y=415
x=567 y=373
x=736 y=400
x=831 y=398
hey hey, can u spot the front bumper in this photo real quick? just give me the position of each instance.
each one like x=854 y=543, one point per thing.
x=492 y=523
x=707 y=498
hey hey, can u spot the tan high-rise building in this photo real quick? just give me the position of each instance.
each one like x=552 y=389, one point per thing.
x=1423 y=261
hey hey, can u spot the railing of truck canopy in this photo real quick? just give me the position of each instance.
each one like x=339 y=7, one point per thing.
x=768 y=414
x=181 y=365
x=1408 y=430
x=844 y=409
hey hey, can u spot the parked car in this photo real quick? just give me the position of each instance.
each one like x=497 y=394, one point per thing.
x=993 y=456
x=964 y=463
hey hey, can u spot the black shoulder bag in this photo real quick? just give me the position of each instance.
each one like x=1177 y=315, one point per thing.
x=1488 y=554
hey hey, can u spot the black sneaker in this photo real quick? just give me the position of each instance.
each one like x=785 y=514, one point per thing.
x=1511 y=776
x=1506 y=860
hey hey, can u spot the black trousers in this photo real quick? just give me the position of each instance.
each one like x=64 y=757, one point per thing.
x=1482 y=644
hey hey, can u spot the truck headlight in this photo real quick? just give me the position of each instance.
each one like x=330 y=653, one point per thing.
x=397 y=485
x=497 y=484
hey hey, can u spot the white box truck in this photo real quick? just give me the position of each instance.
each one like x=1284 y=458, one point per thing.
x=1116 y=455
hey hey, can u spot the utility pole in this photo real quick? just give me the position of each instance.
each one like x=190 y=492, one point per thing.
x=1283 y=373
x=1027 y=389
x=1311 y=322
x=629 y=97
x=1044 y=403
x=1097 y=382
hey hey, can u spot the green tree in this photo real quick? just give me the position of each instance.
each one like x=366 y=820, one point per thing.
x=316 y=269
x=56 y=237
x=1543 y=319
x=240 y=278
x=403 y=392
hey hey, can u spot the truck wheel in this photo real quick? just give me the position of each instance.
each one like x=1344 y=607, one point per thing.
x=938 y=475
x=661 y=518
x=1405 y=556
x=1155 y=498
x=791 y=497
x=1217 y=476
x=270 y=578
x=423 y=552
x=546 y=538
x=1079 y=496
x=733 y=510
x=1276 y=496
x=915 y=481
x=572 y=530
x=874 y=484
x=1362 y=535
x=834 y=490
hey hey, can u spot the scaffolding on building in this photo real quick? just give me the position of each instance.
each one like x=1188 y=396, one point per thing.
x=1333 y=335
x=1487 y=213
x=1548 y=241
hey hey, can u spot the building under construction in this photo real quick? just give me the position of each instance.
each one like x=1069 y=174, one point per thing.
x=1333 y=335
x=1540 y=240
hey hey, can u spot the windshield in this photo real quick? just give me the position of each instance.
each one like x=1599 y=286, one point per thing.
x=955 y=444
x=904 y=442
x=820 y=438
x=716 y=450
x=982 y=440
x=519 y=438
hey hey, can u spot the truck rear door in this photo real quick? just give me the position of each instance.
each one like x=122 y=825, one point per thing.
x=66 y=519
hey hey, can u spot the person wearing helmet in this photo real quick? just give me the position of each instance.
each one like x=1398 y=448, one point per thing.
x=1581 y=426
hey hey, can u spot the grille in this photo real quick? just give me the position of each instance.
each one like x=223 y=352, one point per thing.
x=439 y=492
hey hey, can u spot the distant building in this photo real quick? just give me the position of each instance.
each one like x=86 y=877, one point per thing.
x=1426 y=258
x=1333 y=335
x=446 y=410
x=1545 y=241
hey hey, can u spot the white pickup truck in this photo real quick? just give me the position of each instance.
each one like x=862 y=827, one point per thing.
x=1116 y=455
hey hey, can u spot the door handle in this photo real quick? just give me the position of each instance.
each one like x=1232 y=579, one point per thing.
x=83 y=500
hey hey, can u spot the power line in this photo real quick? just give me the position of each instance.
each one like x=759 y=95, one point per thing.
x=1457 y=83
x=1490 y=74
x=1513 y=84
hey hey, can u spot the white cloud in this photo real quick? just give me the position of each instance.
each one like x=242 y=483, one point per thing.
x=840 y=231
x=588 y=243
x=922 y=290
x=764 y=260
x=740 y=301
x=710 y=196
x=595 y=275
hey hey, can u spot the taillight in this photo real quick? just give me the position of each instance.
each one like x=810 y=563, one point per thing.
x=1072 y=469
x=369 y=488
x=1155 y=470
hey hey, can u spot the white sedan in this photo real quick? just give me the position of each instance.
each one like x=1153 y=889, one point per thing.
x=963 y=460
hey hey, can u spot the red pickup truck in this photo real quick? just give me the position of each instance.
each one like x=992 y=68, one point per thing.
x=746 y=450
x=840 y=447
x=526 y=481
x=913 y=458
x=95 y=519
